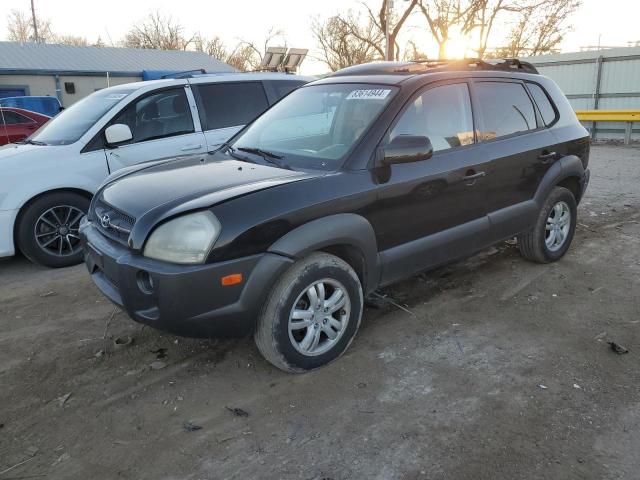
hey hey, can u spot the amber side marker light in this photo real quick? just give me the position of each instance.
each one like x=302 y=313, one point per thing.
x=232 y=279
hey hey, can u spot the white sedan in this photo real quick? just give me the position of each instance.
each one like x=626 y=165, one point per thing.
x=47 y=181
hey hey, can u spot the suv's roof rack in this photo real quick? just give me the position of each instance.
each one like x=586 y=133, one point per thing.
x=185 y=74
x=424 y=66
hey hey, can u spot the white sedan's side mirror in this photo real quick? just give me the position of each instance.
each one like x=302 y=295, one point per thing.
x=117 y=134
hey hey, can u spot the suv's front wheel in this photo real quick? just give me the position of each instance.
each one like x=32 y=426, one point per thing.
x=311 y=315
x=552 y=234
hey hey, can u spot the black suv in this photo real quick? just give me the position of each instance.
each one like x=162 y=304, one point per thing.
x=346 y=185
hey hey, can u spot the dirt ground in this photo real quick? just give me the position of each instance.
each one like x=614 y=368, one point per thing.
x=499 y=369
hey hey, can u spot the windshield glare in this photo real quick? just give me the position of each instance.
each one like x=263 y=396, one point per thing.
x=316 y=126
x=73 y=122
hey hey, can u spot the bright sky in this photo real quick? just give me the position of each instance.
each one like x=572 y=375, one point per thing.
x=614 y=21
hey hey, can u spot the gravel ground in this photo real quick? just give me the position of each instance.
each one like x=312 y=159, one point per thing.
x=497 y=369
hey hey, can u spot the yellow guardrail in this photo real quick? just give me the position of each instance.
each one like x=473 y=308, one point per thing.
x=627 y=116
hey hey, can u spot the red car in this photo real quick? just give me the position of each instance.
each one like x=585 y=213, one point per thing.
x=17 y=124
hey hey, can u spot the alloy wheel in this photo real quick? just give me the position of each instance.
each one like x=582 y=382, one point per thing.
x=558 y=226
x=319 y=317
x=57 y=230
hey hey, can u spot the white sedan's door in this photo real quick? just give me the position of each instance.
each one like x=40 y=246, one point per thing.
x=162 y=126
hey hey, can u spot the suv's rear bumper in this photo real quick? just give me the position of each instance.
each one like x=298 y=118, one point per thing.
x=186 y=300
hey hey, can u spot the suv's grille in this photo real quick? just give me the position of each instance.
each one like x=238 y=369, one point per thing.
x=112 y=222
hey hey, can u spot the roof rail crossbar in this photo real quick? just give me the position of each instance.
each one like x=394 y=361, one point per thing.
x=480 y=64
x=185 y=74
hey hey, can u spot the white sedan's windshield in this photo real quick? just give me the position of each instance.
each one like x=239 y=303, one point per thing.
x=316 y=126
x=73 y=122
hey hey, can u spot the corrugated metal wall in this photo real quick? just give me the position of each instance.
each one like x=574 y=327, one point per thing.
x=618 y=88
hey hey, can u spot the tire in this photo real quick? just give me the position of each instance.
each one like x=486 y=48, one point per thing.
x=534 y=245
x=47 y=231
x=286 y=349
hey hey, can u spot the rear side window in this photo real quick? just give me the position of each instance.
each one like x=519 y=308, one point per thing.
x=13 y=118
x=543 y=103
x=505 y=107
x=283 y=87
x=443 y=114
x=230 y=104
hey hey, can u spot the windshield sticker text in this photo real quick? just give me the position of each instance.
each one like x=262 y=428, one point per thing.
x=378 y=93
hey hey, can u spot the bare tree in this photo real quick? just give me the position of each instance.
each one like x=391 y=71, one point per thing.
x=413 y=53
x=339 y=47
x=245 y=56
x=213 y=47
x=20 y=28
x=71 y=40
x=158 y=32
x=443 y=15
x=540 y=28
x=253 y=60
x=379 y=21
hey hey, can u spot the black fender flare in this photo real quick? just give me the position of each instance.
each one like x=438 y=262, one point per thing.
x=340 y=229
x=567 y=166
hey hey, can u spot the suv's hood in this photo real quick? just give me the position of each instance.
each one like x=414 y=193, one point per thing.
x=155 y=192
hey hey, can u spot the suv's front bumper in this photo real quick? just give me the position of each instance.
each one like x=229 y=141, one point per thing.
x=584 y=182
x=186 y=300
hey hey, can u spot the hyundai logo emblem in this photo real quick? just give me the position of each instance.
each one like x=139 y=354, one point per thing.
x=105 y=221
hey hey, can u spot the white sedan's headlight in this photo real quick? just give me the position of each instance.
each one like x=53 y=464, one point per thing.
x=185 y=239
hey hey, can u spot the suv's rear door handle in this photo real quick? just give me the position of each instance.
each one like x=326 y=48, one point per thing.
x=191 y=147
x=547 y=157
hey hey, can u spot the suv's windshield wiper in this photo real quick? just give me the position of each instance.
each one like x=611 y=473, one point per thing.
x=232 y=151
x=31 y=142
x=268 y=156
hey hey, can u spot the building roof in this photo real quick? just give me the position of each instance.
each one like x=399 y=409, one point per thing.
x=585 y=56
x=37 y=57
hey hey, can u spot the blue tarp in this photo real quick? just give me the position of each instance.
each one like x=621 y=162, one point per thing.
x=46 y=105
x=155 y=74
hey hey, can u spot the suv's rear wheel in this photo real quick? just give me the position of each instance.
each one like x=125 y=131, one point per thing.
x=552 y=234
x=47 y=231
x=311 y=315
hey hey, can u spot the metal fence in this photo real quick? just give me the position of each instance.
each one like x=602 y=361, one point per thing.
x=598 y=80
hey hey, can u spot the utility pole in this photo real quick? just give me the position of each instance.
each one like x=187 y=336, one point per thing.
x=35 y=23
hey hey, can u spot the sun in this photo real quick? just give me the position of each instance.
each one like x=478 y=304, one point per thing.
x=456 y=47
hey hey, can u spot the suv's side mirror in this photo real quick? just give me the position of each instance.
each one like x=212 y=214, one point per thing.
x=407 y=148
x=117 y=133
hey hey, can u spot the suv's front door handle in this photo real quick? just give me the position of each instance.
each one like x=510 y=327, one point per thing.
x=547 y=157
x=472 y=175
x=190 y=147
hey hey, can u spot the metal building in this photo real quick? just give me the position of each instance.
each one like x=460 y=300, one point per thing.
x=598 y=80
x=71 y=72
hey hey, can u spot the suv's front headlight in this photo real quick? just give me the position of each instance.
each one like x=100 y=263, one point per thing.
x=185 y=239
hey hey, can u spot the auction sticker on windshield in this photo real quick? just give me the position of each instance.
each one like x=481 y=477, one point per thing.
x=377 y=93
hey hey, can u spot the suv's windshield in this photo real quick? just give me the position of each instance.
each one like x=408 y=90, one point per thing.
x=73 y=122
x=314 y=127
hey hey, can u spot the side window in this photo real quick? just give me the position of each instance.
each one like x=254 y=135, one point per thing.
x=283 y=87
x=159 y=115
x=13 y=118
x=443 y=114
x=543 y=103
x=506 y=108
x=230 y=104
